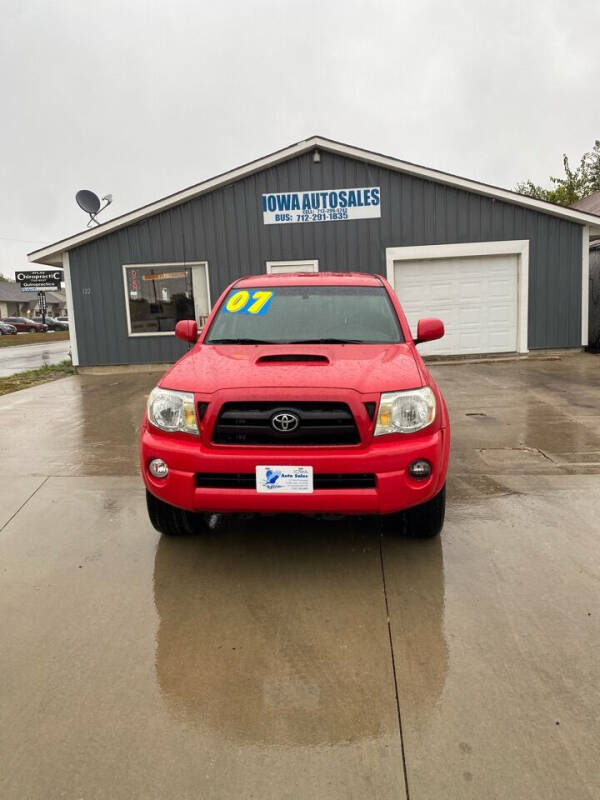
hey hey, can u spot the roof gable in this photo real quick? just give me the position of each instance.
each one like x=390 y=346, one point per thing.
x=52 y=254
x=11 y=293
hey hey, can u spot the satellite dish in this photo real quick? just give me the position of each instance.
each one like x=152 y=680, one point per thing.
x=90 y=203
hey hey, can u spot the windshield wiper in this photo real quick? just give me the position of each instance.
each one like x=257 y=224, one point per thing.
x=238 y=341
x=327 y=341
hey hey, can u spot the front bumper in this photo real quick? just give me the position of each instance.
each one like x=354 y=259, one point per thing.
x=387 y=458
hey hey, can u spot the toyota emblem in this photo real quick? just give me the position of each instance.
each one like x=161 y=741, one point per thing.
x=285 y=421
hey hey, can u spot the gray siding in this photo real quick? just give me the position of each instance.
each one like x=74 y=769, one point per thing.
x=226 y=229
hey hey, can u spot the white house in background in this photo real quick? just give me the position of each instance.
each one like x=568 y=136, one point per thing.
x=14 y=302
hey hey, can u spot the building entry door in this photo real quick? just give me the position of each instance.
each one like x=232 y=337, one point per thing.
x=292 y=266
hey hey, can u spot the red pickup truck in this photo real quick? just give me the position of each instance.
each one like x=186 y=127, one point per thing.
x=304 y=393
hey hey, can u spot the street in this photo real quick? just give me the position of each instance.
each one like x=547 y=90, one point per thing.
x=32 y=356
x=302 y=658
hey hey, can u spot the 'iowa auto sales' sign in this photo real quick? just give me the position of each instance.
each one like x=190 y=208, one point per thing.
x=322 y=205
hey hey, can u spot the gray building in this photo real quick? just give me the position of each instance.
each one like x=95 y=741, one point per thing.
x=505 y=272
x=591 y=205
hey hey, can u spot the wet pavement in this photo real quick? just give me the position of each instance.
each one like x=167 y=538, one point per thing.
x=299 y=658
x=20 y=358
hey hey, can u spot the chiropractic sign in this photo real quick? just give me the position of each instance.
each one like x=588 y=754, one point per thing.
x=322 y=205
x=39 y=280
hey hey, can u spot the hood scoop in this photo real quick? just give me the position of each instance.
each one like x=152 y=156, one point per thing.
x=293 y=358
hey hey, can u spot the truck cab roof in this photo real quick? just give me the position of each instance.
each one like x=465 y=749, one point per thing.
x=310 y=279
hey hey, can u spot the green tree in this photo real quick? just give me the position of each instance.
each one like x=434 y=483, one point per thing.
x=574 y=185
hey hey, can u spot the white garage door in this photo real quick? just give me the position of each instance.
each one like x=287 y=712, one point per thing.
x=475 y=297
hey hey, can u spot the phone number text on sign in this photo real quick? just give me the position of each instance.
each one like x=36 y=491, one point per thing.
x=323 y=205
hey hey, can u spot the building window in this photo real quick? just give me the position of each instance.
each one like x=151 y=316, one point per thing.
x=158 y=296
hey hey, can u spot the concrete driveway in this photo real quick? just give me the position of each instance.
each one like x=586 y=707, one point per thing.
x=303 y=659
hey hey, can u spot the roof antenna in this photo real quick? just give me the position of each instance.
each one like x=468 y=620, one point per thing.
x=90 y=203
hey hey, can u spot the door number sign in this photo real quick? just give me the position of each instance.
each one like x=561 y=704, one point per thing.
x=244 y=302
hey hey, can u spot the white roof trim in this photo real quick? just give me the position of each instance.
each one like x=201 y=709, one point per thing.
x=52 y=254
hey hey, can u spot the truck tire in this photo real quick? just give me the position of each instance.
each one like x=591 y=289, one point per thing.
x=169 y=520
x=427 y=520
x=32 y=330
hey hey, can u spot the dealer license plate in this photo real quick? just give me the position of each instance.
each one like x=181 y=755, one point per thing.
x=284 y=480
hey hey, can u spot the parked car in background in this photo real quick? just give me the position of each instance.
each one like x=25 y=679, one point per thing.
x=53 y=323
x=7 y=330
x=63 y=319
x=26 y=325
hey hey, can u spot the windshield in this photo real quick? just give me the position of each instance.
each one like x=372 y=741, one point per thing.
x=305 y=314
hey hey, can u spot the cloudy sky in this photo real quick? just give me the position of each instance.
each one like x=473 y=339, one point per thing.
x=141 y=98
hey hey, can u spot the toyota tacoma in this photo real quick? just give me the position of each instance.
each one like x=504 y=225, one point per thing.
x=303 y=393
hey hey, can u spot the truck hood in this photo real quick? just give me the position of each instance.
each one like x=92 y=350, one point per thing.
x=364 y=368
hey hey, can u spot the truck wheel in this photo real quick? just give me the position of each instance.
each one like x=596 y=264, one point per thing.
x=427 y=520
x=169 y=520
x=32 y=330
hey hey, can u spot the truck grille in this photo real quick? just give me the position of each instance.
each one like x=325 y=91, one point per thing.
x=319 y=423
x=247 y=480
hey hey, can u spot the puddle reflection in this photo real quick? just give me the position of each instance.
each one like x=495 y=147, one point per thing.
x=274 y=631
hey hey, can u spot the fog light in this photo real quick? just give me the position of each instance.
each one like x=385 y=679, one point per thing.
x=420 y=470
x=158 y=468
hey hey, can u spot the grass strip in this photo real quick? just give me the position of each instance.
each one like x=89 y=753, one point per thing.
x=33 y=338
x=23 y=380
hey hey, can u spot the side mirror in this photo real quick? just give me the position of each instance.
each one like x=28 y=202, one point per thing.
x=429 y=329
x=187 y=330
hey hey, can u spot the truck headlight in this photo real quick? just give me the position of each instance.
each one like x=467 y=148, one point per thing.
x=405 y=412
x=172 y=411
